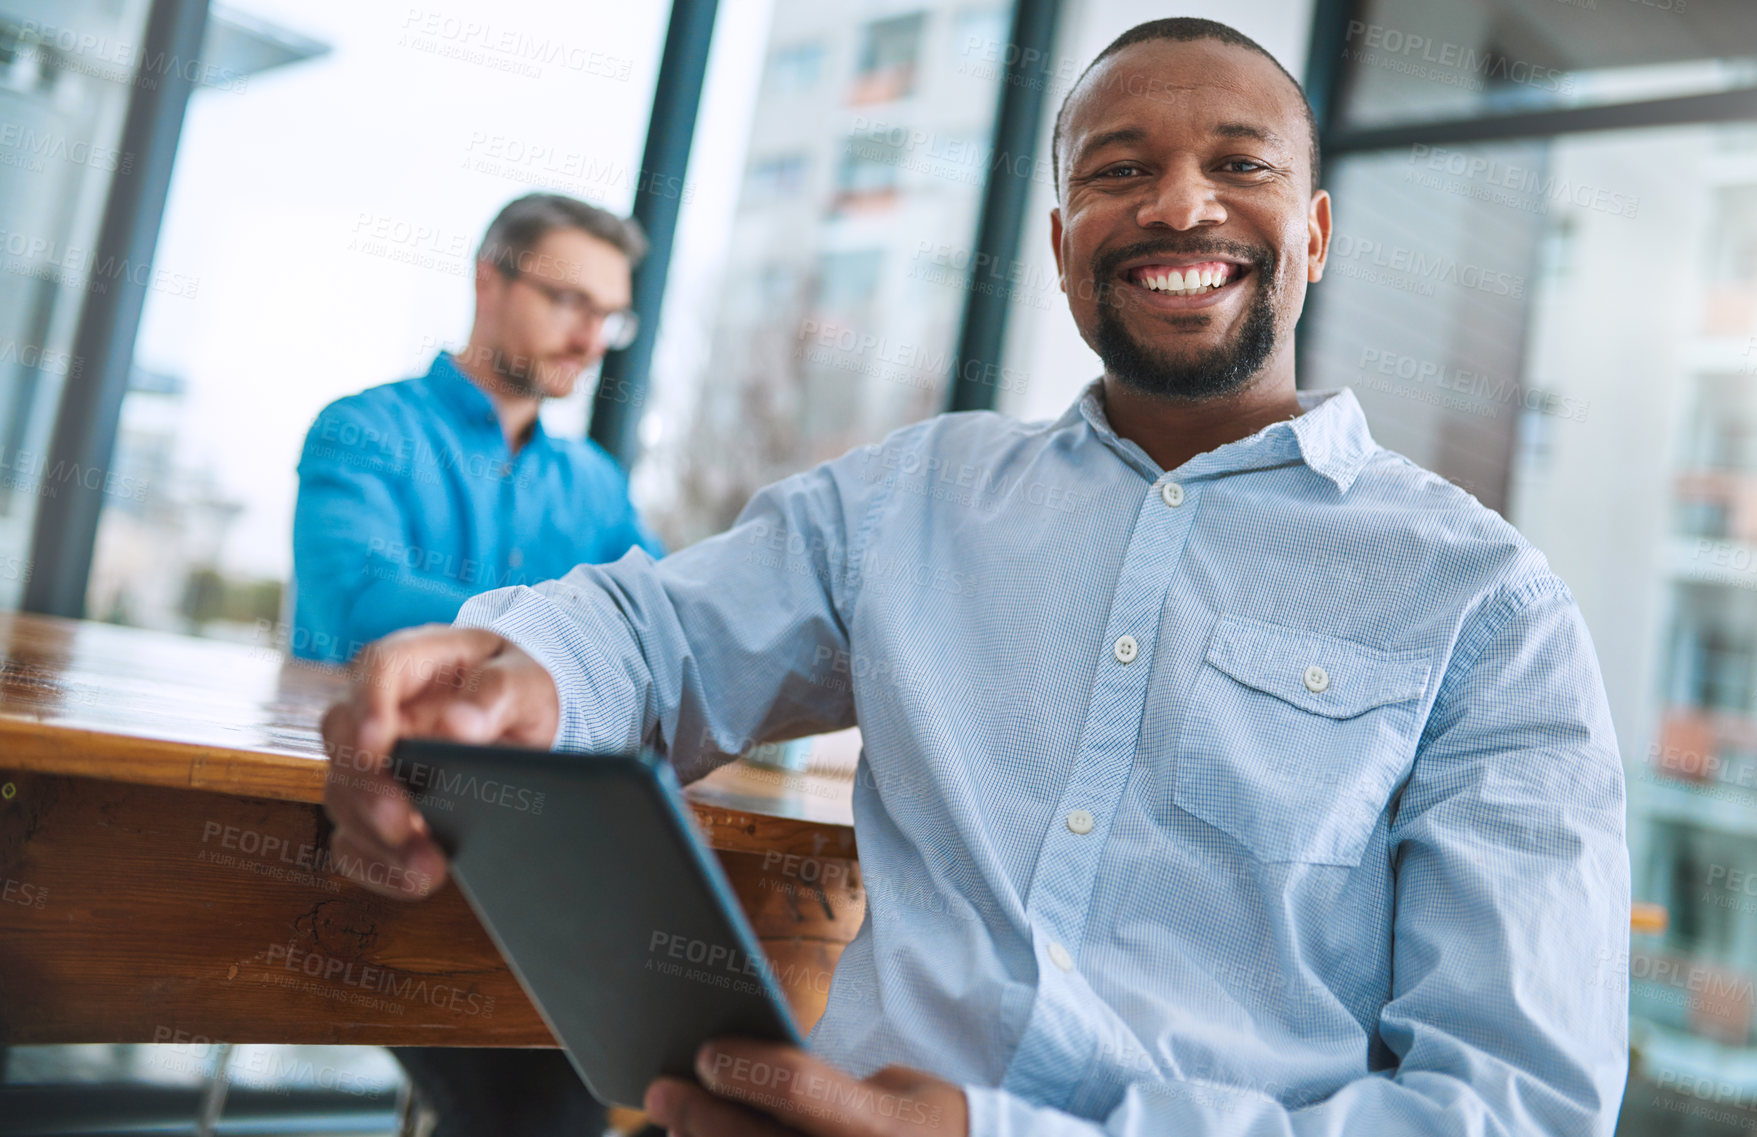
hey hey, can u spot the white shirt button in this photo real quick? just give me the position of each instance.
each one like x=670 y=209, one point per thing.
x=1126 y=649
x=1059 y=956
x=1172 y=493
x=1317 y=679
x=1080 y=821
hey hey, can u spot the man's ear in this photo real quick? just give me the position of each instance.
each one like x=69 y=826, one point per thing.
x=489 y=283
x=1055 y=244
x=1318 y=236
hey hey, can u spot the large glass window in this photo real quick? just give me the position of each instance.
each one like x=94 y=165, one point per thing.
x=66 y=73
x=1420 y=61
x=332 y=232
x=1563 y=325
x=805 y=324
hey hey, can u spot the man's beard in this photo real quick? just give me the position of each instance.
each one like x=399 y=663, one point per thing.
x=518 y=374
x=1217 y=371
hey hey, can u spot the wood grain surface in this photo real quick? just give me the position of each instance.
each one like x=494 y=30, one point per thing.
x=152 y=709
x=141 y=913
x=164 y=874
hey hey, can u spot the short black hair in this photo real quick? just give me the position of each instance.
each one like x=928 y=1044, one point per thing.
x=524 y=221
x=1181 y=29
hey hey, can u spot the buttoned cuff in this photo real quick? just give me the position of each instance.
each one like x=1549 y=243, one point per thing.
x=529 y=620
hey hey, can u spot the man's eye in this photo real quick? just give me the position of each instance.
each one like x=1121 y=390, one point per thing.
x=1249 y=167
x=1120 y=170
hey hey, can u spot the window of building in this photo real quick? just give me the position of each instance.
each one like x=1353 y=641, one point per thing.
x=794 y=69
x=870 y=165
x=889 y=50
x=777 y=177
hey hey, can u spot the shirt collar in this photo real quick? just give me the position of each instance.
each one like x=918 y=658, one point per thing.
x=468 y=402
x=1330 y=435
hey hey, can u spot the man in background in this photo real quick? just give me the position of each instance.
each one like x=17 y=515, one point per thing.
x=415 y=496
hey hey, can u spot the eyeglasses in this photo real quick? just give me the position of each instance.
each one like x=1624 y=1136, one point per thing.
x=618 y=325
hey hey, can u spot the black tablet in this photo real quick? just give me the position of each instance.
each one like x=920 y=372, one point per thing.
x=591 y=877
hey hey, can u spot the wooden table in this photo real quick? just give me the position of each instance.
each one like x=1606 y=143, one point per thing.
x=162 y=848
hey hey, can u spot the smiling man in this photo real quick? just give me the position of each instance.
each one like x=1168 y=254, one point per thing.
x=1224 y=772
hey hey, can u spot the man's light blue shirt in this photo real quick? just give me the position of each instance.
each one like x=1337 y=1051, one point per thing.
x=1273 y=794
x=410 y=502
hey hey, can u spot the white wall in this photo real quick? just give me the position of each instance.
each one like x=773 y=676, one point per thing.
x=1044 y=346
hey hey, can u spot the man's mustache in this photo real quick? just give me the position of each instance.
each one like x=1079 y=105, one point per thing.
x=1105 y=265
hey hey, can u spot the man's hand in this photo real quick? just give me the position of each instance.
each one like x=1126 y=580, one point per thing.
x=761 y=1089
x=435 y=681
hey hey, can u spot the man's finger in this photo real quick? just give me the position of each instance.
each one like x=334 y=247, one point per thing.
x=796 y=1089
x=483 y=713
x=414 y=871
x=690 y=1111
x=341 y=739
x=396 y=667
x=359 y=795
x=370 y=804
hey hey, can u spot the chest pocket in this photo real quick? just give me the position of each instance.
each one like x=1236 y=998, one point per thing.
x=1293 y=740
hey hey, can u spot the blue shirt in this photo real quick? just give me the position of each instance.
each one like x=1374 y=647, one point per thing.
x=410 y=502
x=1273 y=794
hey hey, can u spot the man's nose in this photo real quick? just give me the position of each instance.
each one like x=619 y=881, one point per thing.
x=1183 y=197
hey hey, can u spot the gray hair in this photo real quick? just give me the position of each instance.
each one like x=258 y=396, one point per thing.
x=516 y=230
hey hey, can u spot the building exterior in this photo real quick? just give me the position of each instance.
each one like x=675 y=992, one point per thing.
x=849 y=253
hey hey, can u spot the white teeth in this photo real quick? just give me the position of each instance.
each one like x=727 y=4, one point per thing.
x=1196 y=280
